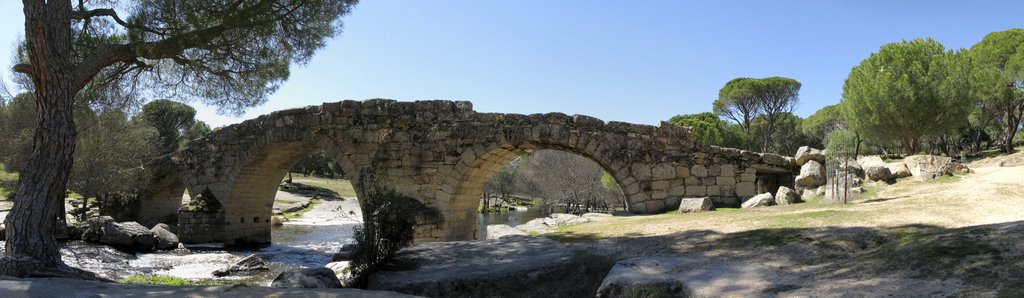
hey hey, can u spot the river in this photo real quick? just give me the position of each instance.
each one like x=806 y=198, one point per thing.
x=309 y=241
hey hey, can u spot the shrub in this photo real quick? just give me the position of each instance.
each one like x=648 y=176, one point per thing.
x=389 y=219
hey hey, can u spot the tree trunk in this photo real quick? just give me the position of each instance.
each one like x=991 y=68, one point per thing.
x=1013 y=116
x=41 y=187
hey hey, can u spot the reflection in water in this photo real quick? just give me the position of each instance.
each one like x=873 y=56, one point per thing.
x=512 y=218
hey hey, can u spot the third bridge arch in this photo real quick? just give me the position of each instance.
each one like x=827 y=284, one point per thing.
x=441 y=153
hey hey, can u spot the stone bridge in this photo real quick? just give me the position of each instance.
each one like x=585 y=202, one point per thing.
x=440 y=152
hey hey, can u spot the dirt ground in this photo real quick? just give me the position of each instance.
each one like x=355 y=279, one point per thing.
x=958 y=235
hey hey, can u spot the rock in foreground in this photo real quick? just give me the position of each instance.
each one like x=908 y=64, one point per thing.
x=307 y=278
x=682 y=277
x=515 y=266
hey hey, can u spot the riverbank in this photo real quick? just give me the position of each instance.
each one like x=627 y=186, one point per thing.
x=63 y=287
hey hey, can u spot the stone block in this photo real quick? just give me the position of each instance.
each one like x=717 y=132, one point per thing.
x=691 y=181
x=746 y=189
x=682 y=171
x=689 y=205
x=725 y=180
x=678 y=191
x=696 y=191
x=714 y=191
x=660 y=185
x=727 y=170
x=663 y=171
x=714 y=170
x=699 y=171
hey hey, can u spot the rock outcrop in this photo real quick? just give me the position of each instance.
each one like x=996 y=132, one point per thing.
x=812 y=174
x=786 y=196
x=874 y=168
x=307 y=278
x=805 y=154
x=646 y=277
x=684 y=277
x=688 y=205
x=511 y=266
x=498 y=231
x=760 y=200
x=928 y=167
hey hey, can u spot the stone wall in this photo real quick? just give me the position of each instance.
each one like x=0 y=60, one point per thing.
x=443 y=153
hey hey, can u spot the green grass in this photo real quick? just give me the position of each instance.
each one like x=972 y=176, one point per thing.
x=8 y=182
x=297 y=214
x=340 y=187
x=967 y=253
x=808 y=219
x=945 y=179
x=171 y=281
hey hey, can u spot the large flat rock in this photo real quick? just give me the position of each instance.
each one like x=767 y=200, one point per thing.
x=518 y=266
x=685 y=277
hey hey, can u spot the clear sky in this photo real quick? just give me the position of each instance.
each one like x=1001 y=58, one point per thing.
x=633 y=61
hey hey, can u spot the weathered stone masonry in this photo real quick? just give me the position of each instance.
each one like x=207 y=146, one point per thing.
x=442 y=153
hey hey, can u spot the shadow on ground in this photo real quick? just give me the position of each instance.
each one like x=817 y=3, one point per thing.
x=979 y=260
x=311 y=191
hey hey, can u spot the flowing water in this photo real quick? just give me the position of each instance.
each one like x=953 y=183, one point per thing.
x=306 y=242
x=309 y=241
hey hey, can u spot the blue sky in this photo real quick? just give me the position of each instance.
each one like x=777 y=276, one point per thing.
x=633 y=61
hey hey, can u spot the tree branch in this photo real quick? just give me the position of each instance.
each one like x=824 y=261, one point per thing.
x=24 y=68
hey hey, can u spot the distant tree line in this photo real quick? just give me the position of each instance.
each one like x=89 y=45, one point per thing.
x=910 y=97
x=563 y=181
x=112 y=144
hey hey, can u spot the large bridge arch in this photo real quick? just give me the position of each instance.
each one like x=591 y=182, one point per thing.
x=478 y=164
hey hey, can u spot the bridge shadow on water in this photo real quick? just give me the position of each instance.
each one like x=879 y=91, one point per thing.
x=979 y=260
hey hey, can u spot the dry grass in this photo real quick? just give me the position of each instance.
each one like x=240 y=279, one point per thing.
x=967 y=228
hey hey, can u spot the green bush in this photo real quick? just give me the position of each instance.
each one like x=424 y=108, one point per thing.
x=389 y=221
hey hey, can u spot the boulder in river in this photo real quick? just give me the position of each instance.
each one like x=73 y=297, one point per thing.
x=164 y=238
x=130 y=235
x=247 y=264
x=92 y=228
x=345 y=252
x=307 y=278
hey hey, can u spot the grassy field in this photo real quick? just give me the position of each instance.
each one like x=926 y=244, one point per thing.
x=339 y=186
x=172 y=281
x=7 y=182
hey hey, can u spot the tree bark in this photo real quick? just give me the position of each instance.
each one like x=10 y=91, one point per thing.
x=41 y=187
